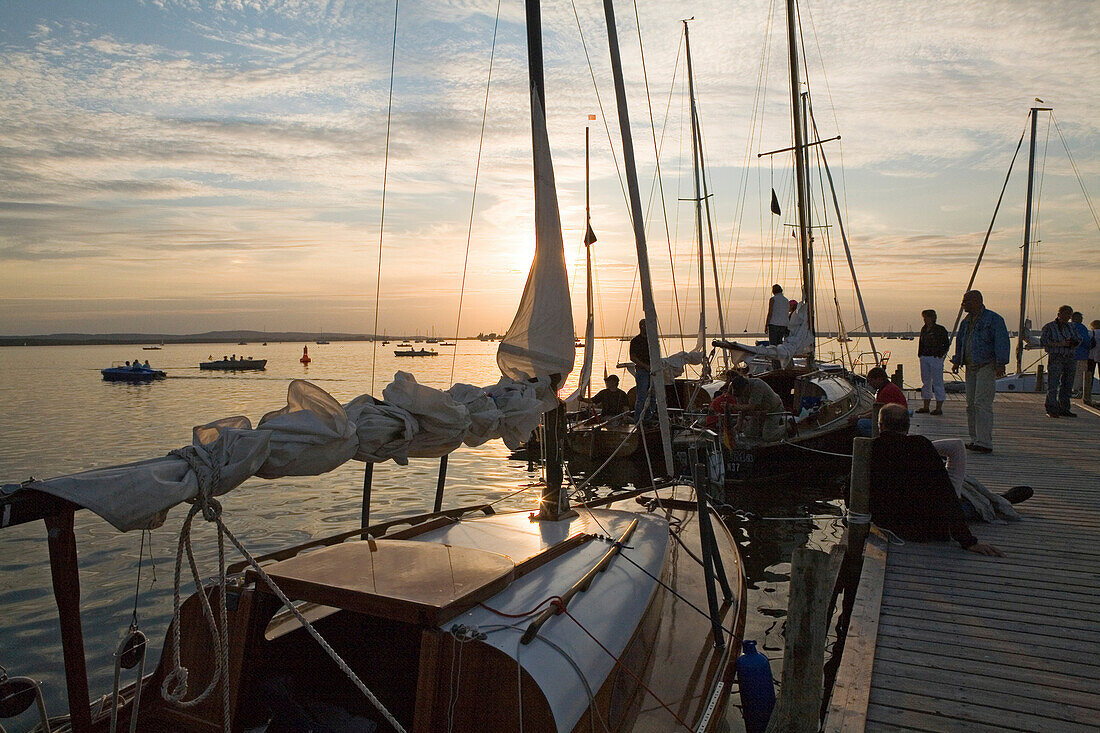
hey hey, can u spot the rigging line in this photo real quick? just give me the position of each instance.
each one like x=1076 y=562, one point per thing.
x=599 y=103
x=821 y=63
x=985 y=242
x=382 y=216
x=1076 y=172
x=658 y=178
x=657 y=156
x=473 y=194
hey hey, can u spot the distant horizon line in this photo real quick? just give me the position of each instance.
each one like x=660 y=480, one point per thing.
x=222 y=337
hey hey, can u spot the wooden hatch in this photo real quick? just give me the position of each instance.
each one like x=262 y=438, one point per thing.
x=417 y=582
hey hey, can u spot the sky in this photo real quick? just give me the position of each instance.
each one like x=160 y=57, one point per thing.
x=178 y=166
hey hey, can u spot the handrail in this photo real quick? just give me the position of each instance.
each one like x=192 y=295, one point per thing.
x=579 y=587
x=378 y=530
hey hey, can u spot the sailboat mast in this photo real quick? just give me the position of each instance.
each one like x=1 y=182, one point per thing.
x=1027 y=241
x=638 y=217
x=798 y=133
x=589 y=239
x=695 y=163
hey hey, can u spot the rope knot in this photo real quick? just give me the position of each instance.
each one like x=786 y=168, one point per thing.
x=557 y=604
x=174 y=687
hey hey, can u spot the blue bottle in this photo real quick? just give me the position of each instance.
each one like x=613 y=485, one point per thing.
x=754 y=675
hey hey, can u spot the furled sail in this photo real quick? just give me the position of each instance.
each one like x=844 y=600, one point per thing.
x=799 y=342
x=589 y=326
x=539 y=343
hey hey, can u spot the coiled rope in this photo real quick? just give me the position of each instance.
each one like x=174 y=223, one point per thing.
x=174 y=688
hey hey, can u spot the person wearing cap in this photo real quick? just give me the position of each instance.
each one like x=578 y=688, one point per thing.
x=762 y=416
x=611 y=400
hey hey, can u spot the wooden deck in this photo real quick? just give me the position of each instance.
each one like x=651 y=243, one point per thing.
x=956 y=641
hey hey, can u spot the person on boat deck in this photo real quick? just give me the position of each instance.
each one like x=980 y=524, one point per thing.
x=721 y=409
x=761 y=414
x=911 y=493
x=778 y=321
x=611 y=400
x=931 y=349
x=1077 y=320
x=886 y=393
x=1060 y=340
x=639 y=355
x=127 y=363
x=146 y=363
x=981 y=345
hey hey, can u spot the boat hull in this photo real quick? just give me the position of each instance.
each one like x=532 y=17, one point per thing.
x=125 y=374
x=234 y=365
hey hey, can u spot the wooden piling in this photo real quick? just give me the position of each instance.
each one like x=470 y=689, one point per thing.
x=1039 y=378
x=813 y=577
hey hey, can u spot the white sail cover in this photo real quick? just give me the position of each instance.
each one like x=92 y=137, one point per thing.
x=799 y=341
x=311 y=435
x=539 y=342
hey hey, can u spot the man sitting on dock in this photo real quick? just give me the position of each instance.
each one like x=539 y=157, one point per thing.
x=911 y=493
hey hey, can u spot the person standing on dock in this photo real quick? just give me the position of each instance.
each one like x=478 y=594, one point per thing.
x=1077 y=321
x=931 y=349
x=1060 y=340
x=982 y=347
x=778 y=321
x=639 y=354
x=1090 y=363
x=911 y=492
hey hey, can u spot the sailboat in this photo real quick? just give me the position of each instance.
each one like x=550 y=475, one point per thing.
x=1021 y=380
x=601 y=615
x=819 y=400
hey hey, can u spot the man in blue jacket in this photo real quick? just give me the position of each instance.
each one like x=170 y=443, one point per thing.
x=982 y=347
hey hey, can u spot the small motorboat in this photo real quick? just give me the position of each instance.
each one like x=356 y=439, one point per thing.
x=127 y=373
x=235 y=365
x=150 y=348
x=415 y=352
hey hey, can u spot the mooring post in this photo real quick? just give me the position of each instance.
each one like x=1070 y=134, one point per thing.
x=898 y=377
x=859 y=499
x=1039 y=378
x=65 y=570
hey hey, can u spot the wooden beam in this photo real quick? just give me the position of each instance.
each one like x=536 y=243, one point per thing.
x=847 y=711
x=66 y=591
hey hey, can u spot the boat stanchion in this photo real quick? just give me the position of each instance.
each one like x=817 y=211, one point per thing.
x=712 y=563
x=130 y=653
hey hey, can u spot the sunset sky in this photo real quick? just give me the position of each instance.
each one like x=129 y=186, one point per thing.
x=182 y=166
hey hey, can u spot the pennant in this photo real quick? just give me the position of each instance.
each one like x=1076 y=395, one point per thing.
x=775 y=204
x=590 y=236
x=592 y=117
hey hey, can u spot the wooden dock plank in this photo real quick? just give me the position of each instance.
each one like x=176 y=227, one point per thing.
x=974 y=643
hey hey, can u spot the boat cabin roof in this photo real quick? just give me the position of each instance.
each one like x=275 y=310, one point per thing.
x=404 y=580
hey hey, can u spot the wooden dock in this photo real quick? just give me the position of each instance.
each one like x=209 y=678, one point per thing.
x=946 y=640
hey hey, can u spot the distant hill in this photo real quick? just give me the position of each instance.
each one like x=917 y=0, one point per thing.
x=210 y=337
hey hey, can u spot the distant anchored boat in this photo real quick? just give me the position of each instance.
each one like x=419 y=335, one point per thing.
x=127 y=373
x=234 y=364
x=415 y=352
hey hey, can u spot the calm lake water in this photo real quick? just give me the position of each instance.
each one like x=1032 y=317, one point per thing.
x=60 y=417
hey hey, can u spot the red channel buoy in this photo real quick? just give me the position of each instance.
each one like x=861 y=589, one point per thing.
x=305 y=355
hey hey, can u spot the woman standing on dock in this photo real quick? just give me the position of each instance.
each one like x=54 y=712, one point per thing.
x=931 y=349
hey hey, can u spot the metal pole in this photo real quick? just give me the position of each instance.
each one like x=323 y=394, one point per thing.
x=440 y=483
x=1027 y=242
x=695 y=162
x=657 y=379
x=800 y=164
x=368 y=479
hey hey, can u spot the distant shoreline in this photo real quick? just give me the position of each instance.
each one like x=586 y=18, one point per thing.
x=259 y=337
